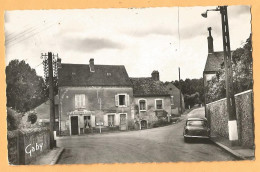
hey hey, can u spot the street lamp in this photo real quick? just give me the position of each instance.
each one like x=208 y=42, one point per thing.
x=231 y=108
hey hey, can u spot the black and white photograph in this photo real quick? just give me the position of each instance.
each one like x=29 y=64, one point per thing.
x=129 y=85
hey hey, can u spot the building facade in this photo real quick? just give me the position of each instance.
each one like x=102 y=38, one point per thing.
x=177 y=104
x=93 y=96
x=152 y=101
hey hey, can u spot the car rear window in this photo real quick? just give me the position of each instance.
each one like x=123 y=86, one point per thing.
x=196 y=123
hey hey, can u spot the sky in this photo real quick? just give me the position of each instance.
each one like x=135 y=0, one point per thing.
x=141 y=39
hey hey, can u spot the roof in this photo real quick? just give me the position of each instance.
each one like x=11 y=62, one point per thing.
x=214 y=61
x=43 y=110
x=148 y=87
x=196 y=119
x=104 y=75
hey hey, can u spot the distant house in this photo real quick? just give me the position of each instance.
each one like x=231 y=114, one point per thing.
x=214 y=60
x=151 y=99
x=93 y=95
x=175 y=99
x=43 y=113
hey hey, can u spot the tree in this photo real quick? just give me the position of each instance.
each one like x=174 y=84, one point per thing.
x=242 y=74
x=13 y=119
x=192 y=89
x=25 y=89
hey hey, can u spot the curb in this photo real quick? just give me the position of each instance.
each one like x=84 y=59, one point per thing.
x=227 y=149
x=57 y=156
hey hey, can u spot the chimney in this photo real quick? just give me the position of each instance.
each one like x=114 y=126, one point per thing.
x=210 y=42
x=91 y=65
x=155 y=75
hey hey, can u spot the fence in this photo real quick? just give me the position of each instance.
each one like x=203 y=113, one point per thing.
x=216 y=112
x=25 y=145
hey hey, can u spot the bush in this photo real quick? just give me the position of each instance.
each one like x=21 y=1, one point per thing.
x=32 y=117
x=13 y=119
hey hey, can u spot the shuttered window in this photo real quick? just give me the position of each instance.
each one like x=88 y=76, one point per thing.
x=80 y=101
x=122 y=100
x=111 y=120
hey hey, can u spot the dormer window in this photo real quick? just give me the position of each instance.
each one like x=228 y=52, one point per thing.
x=108 y=74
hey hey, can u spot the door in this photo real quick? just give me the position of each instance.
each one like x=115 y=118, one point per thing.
x=74 y=125
x=143 y=124
x=123 y=122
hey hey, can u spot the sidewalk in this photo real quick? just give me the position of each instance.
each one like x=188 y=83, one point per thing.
x=49 y=158
x=237 y=151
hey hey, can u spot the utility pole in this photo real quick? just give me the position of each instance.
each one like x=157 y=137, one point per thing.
x=231 y=106
x=48 y=69
x=180 y=89
x=51 y=97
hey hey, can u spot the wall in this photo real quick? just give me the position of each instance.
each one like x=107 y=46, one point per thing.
x=218 y=118
x=99 y=101
x=27 y=144
x=175 y=92
x=149 y=115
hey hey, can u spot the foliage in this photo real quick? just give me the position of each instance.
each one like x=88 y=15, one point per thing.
x=32 y=117
x=242 y=74
x=191 y=100
x=13 y=119
x=25 y=89
x=192 y=89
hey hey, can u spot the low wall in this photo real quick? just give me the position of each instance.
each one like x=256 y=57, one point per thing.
x=27 y=144
x=216 y=112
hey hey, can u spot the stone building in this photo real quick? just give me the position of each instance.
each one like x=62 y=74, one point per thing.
x=152 y=100
x=93 y=95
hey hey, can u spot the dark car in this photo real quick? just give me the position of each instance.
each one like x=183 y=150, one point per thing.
x=196 y=128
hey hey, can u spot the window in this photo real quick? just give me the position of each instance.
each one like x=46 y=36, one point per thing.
x=159 y=104
x=142 y=105
x=79 y=101
x=111 y=120
x=172 y=100
x=121 y=100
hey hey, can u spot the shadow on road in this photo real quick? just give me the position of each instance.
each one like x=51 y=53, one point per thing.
x=198 y=141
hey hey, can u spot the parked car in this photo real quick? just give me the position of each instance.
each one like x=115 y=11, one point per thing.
x=196 y=128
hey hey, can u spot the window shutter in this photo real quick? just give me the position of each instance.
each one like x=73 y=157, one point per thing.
x=76 y=101
x=83 y=100
x=106 y=120
x=117 y=118
x=116 y=100
x=127 y=100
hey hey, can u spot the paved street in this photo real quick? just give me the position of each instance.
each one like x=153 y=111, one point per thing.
x=164 y=144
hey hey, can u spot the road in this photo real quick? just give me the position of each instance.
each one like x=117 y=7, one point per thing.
x=164 y=144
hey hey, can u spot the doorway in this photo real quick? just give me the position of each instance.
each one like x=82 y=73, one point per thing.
x=143 y=124
x=123 y=125
x=74 y=125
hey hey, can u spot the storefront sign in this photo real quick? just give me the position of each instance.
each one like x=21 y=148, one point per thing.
x=79 y=112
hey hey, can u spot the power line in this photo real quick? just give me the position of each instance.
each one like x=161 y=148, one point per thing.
x=37 y=65
x=10 y=43
x=32 y=28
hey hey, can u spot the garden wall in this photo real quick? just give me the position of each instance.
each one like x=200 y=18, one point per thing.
x=27 y=144
x=216 y=112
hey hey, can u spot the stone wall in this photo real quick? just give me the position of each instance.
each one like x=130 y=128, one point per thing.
x=27 y=144
x=216 y=112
